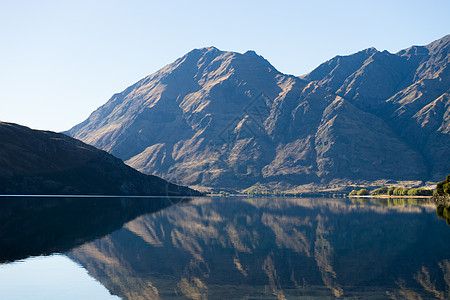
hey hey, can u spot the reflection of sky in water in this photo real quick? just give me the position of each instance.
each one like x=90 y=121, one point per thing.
x=49 y=277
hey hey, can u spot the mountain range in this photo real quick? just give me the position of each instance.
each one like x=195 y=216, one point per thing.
x=45 y=162
x=218 y=119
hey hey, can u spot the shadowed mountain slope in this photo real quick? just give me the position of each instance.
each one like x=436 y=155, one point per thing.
x=36 y=226
x=43 y=162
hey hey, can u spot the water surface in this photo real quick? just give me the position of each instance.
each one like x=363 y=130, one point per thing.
x=49 y=277
x=240 y=248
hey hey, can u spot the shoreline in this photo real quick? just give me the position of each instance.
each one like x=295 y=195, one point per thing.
x=388 y=196
x=431 y=199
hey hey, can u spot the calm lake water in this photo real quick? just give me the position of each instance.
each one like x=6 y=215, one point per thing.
x=222 y=248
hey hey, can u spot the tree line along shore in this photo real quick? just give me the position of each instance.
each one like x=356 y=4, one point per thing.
x=441 y=193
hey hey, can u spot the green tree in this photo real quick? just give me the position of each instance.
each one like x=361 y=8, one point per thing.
x=419 y=192
x=412 y=192
x=443 y=187
x=353 y=192
x=363 y=192
x=391 y=191
x=381 y=191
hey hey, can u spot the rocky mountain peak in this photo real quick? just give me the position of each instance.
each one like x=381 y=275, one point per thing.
x=224 y=119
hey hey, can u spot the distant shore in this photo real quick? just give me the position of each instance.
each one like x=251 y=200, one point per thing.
x=389 y=196
x=432 y=199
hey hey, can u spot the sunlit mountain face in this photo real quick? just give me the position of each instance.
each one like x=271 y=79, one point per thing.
x=220 y=119
x=229 y=248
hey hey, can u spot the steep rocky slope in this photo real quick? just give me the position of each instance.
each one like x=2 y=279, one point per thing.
x=224 y=119
x=409 y=90
x=43 y=162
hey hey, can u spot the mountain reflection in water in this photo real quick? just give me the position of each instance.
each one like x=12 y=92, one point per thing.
x=275 y=249
x=31 y=226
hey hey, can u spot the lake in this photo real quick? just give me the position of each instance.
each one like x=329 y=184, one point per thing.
x=222 y=248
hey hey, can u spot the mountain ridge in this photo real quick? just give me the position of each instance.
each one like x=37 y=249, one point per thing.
x=224 y=119
x=45 y=162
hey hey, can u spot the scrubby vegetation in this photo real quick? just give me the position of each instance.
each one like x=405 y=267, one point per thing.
x=382 y=191
x=443 y=187
x=394 y=191
x=361 y=192
x=398 y=191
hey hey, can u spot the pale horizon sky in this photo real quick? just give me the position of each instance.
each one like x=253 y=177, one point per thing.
x=60 y=60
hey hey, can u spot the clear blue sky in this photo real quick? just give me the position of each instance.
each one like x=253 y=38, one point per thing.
x=60 y=60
